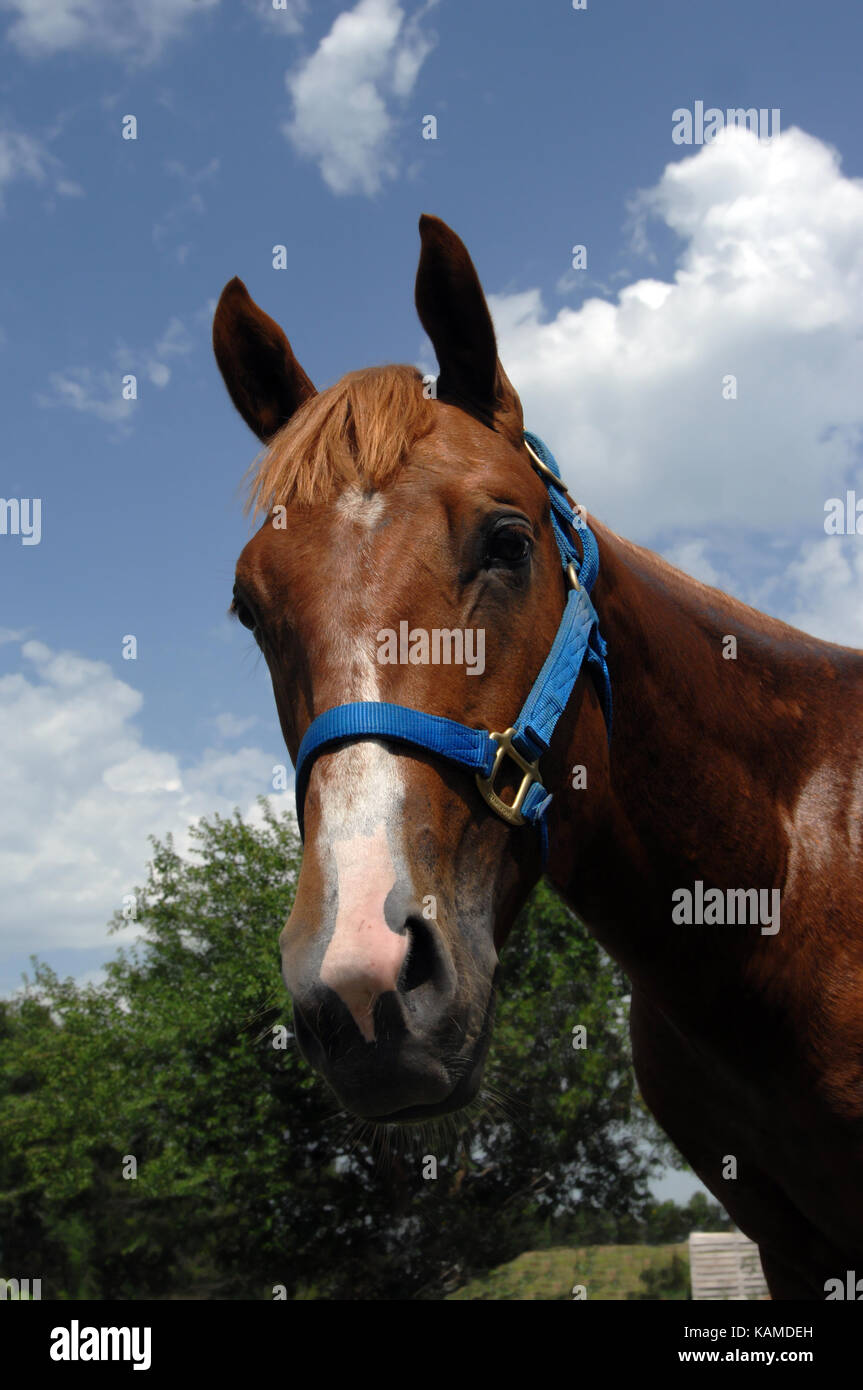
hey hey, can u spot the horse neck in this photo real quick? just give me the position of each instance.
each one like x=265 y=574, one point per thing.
x=709 y=753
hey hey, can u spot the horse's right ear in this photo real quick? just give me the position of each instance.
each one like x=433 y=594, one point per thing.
x=264 y=378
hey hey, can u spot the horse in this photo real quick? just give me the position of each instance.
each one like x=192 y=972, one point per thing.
x=707 y=829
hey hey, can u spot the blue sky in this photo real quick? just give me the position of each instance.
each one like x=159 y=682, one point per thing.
x=303 y=127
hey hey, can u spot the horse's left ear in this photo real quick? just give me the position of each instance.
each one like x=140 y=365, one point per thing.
x=264 y=378
x=453 y=312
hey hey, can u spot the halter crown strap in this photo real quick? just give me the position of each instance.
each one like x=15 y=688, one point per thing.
x=578 y=639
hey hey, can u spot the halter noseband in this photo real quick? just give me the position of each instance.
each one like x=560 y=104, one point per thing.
x=483 y=753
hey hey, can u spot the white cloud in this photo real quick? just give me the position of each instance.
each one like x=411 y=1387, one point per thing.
x=99 y=391
x=174 y=222
x=690 y=557
x=231 y=726
x=821 y=590
x=158 y=373
x=176 y=341
x=89 y=390
x=342 y=116
x=21 y=157
x=24 y=157
x=193 y=177
x=80 y=792
x=137 y=29
x=769 y=289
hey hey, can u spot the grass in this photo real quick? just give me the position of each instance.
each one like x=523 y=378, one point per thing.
x=606 y=1271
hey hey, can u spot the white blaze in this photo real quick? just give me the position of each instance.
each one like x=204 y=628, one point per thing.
x=361 y=795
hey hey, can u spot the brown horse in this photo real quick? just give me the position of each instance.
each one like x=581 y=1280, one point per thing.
x=734 y=770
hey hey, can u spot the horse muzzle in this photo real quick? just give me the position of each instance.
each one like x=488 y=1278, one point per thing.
x=380 y=1015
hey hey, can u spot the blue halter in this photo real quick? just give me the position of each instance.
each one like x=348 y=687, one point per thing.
x=578 y=638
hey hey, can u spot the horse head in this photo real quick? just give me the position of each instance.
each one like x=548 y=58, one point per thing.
x=406 y=558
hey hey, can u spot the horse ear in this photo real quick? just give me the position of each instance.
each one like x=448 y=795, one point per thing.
x=264 y=379
x=454 y=314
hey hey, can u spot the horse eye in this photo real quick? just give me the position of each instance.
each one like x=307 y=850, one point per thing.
x=243 y=614
x=509 y=546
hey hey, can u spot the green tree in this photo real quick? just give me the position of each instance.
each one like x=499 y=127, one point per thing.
x=666 y=1223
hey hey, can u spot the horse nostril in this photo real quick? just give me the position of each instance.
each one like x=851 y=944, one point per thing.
x=422 y=958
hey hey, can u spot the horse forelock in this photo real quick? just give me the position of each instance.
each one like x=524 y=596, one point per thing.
x=358 y=431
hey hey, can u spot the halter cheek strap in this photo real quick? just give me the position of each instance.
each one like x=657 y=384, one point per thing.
x=578 y=640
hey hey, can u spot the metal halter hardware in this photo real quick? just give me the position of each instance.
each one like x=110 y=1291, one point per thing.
x=511 y=813
x=548 y=475
x=578 y=639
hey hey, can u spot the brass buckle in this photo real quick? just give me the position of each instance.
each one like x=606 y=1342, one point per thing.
x=511 y=814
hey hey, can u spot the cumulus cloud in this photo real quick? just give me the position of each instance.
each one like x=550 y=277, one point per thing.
x=635 y=394
x=80 y=792
x=344 y=93
x=138 y=29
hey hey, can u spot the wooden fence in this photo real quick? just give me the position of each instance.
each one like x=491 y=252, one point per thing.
x=725 y=1265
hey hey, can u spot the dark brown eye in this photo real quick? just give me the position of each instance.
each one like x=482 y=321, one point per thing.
x=509 y=545
x=243 y=613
